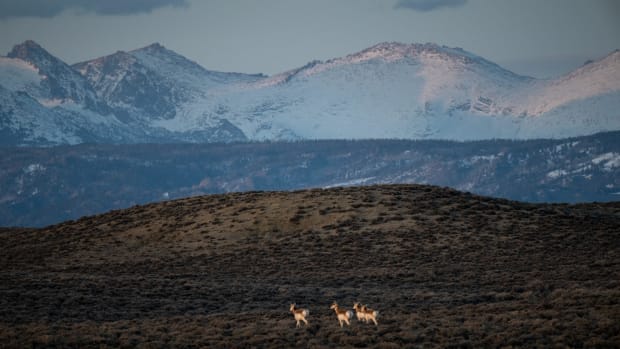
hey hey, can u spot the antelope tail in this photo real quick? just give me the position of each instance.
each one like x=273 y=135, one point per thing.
x=349 y=314
x=305 y=312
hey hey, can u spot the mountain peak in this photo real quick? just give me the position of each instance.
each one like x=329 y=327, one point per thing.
x=399 y=46
x=159 y=52
x=611 y=58
x=604 y=71
x=119 y=59
x=428 y=54
x=29 y=43
x=614 y=55
x=28 y=50
x=154 y=47
x=395 y=51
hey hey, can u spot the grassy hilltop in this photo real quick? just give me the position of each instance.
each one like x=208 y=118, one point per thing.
x=444 y=268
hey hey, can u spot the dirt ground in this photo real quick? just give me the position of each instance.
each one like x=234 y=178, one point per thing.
x=443 y=268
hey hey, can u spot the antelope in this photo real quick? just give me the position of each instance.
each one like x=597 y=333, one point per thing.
x=300 y=315
x=370 y=314
x=358 y=312
x=342 y=314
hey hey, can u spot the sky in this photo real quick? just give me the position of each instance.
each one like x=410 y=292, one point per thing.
x=540 y=38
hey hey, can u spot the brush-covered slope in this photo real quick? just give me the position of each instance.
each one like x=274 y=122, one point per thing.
x=445 y=269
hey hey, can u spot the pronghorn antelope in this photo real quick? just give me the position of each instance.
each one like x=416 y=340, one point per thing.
x=342 y=314
x=358 y=312
x=300 y=315
x=370 y=314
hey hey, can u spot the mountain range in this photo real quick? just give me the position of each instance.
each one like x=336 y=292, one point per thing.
x=390 y=90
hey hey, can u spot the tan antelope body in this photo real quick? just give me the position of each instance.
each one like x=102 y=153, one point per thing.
x=370 y=314
x=300 y=315
x=358 y=312
x=342 y=314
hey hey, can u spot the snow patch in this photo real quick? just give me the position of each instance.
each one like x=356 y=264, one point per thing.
x=556 y=173
x=353 y=182
x=18 y=75
x=609 y=161
x=560 y=147
x=33 y=169
x=51 y=103
x=479 y=158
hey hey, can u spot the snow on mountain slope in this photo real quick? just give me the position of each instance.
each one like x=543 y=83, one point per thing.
x=591 y=80
x=46 y=102
x=59 y=83
x=390 y=90
x=173 y=66
x=584 y=101
x=130 y=87
x=19 y=75
x=25 y=121
x=395 y=90
x=155 y=87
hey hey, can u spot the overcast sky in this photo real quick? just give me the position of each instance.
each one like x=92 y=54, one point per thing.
x=540 y=38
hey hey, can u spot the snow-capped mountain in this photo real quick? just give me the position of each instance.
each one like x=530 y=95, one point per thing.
x=390 y=90
x=26 y=121
x=55 y=82
x=115 y=99
x=427 y=91
x=149 y=86
x=46 y=102
x=152 y=82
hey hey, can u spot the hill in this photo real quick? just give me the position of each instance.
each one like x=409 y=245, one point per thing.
x=444 y=268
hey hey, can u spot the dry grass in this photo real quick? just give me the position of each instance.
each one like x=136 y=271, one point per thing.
x=444 y=269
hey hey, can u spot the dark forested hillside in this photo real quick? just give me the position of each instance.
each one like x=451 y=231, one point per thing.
x=40 y=186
